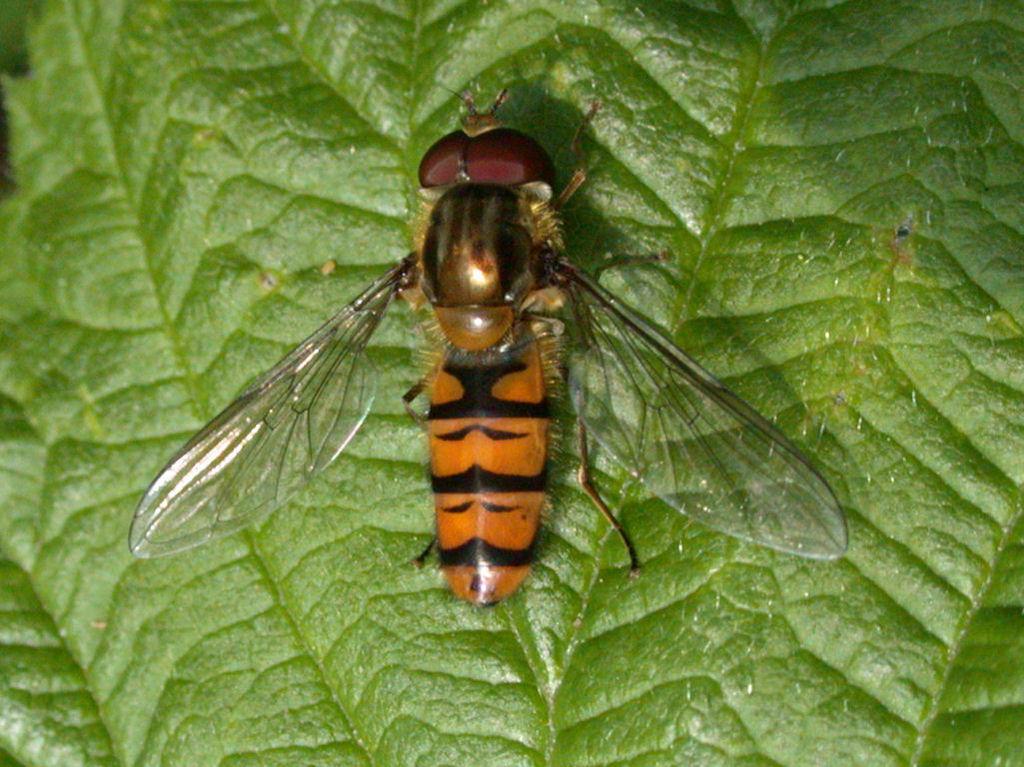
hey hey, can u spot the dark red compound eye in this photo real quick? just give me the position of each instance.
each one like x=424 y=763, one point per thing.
x=500 y=156
x=440 y=165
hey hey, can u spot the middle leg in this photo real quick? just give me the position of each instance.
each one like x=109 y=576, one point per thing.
x=410 y=396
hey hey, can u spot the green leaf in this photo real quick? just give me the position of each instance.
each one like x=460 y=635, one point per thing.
x=841 y=188
x=49 y=713
x=13 y=19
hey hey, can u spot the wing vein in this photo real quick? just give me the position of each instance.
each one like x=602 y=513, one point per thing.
x=691 y=441
x=283 y=429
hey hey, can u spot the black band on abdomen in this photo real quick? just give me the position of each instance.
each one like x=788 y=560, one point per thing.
x=498 y=435
x=477 y=381
x=488 y=407
x=478 y=480
x=477 y=551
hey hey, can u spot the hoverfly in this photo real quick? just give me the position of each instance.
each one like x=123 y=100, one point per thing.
x=488 y=261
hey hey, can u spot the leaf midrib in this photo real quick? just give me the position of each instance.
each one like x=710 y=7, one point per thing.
x=358 y=736
x=953 y=651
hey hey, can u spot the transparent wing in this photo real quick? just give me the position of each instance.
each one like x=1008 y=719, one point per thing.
x=686 y=437
x=287 y=426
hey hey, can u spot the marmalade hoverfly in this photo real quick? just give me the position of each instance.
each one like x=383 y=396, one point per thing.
x=488 y=260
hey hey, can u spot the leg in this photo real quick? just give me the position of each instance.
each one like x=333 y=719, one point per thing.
x=619 y=262
x=410 y=396
x=583 y=475
x=543 y=326
x=418 y=561
x=580 y=174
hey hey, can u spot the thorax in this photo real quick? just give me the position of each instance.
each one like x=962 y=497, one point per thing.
x=478 y=258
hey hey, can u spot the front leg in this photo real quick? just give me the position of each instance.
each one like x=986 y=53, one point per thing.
x=579 y=175
x=630 y=260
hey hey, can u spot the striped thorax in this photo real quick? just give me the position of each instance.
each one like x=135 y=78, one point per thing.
x=476 y=258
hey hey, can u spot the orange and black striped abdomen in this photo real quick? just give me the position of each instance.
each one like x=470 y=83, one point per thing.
x=488 y=425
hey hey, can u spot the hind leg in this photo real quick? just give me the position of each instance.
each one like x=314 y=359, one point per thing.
x=419 y=560
x=407 y=399
x=583 y=475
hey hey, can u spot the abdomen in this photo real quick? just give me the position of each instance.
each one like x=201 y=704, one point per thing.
x=488 y=426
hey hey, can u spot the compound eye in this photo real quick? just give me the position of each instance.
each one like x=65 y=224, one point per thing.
x=500 y=156
x=507 y=157
x=440 y=165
